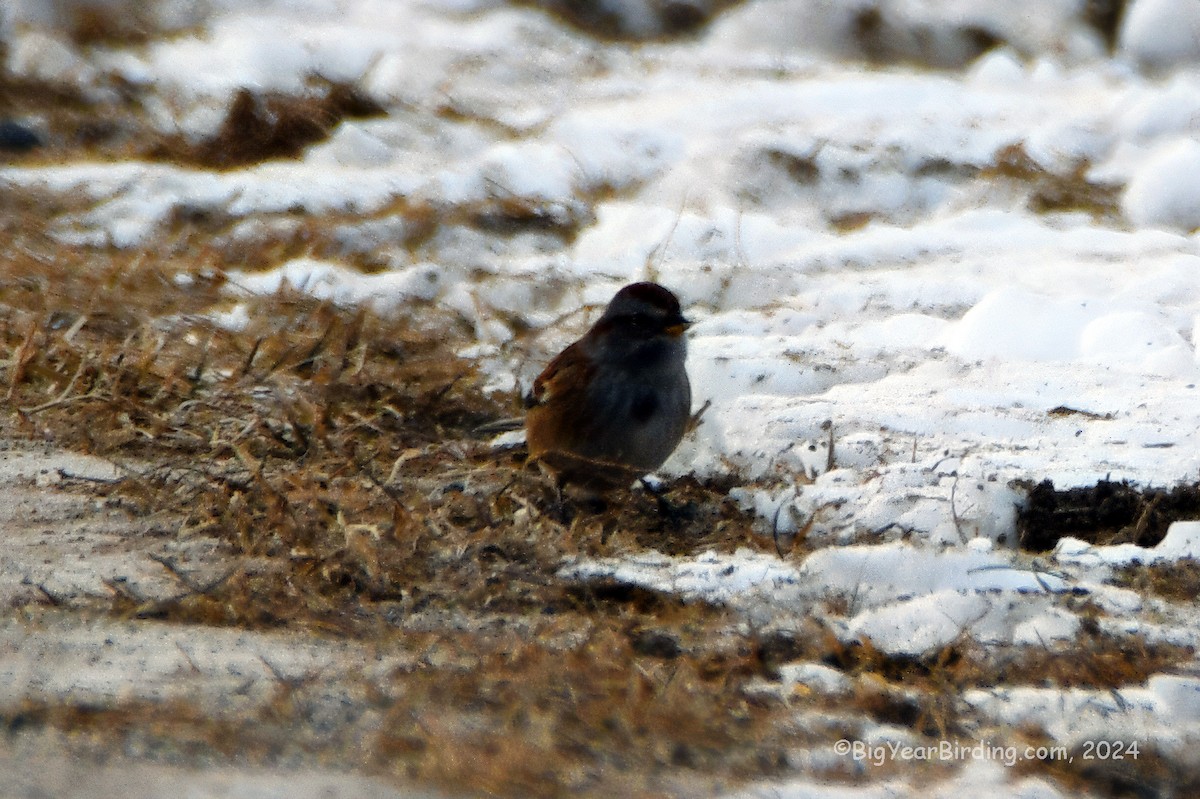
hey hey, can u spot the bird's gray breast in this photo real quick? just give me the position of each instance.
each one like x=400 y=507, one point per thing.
x=646 y=412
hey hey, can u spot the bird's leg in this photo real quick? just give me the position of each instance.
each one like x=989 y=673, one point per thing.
x=560 y=501
x=665 y=508
x=580 y=497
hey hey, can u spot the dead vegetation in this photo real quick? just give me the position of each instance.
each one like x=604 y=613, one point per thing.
x=599 y=716
x=880 y=33
x=330 y=451
x=663 y=19
x=1178 y=581
x=1055 y=191
x=67 y=120
x=1149 y=774
x=924 y=693
x=257 y=126
x=264 y=126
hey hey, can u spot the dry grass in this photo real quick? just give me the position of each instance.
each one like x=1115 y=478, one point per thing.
x=1051 y=192
x=1178 y=581
x=257 y=126
x=260 y=127
x=923 y=693
x=1150 y=774
x=596 y=717
x=330 y=451
x=69 y=121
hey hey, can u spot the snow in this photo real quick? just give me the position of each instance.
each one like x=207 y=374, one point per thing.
x=43 y=56
x=861 y=270
x=907 y=600
x=1163 y=713
x=912 y=29
x=813 y=676
x=1160 y=34
x=1157 y=197
x=879 y=575
x=983 y=776
x=1182 y=541
x=331 y=281
x=747 y=578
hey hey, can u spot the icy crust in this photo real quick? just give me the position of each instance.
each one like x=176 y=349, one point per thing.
x=906 y=600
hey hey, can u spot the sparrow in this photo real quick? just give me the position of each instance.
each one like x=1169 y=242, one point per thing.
x=611 y=407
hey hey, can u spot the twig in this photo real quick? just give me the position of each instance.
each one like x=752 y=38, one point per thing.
x=21 y=360
x=829 y=459
x=658 y=253
x=954 y=511
x=62 y=398
x=775 y=529
x=64 y=474
x=53 y=599
x=695 y=419
x=206 y=588
x=1036 y=572
x=188 y=658
x=121 y=589
x=249 y=363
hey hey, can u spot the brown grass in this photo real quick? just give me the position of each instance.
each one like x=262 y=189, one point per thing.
x=257 y=126
x=330 y=451
x=1178 y=581
x=923 y=693
x=533 y=721
x=1052 y=192
x=260 y=127
x=1149 y=772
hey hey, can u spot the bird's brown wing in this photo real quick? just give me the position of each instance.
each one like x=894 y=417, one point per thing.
x=558 y=416
x=569 y=371
x=560 y=426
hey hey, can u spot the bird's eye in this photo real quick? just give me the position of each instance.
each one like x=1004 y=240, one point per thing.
x=642 y=321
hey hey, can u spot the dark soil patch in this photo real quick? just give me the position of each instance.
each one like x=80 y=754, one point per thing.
x=1106 y=513
x=263 y=126
x=672 y=18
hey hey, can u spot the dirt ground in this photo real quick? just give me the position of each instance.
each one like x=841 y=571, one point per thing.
x=64 y=549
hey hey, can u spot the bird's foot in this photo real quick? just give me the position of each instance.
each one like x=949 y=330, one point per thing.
x=675 y=514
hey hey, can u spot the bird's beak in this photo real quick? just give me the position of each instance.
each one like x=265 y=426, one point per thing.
x=676 y=329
